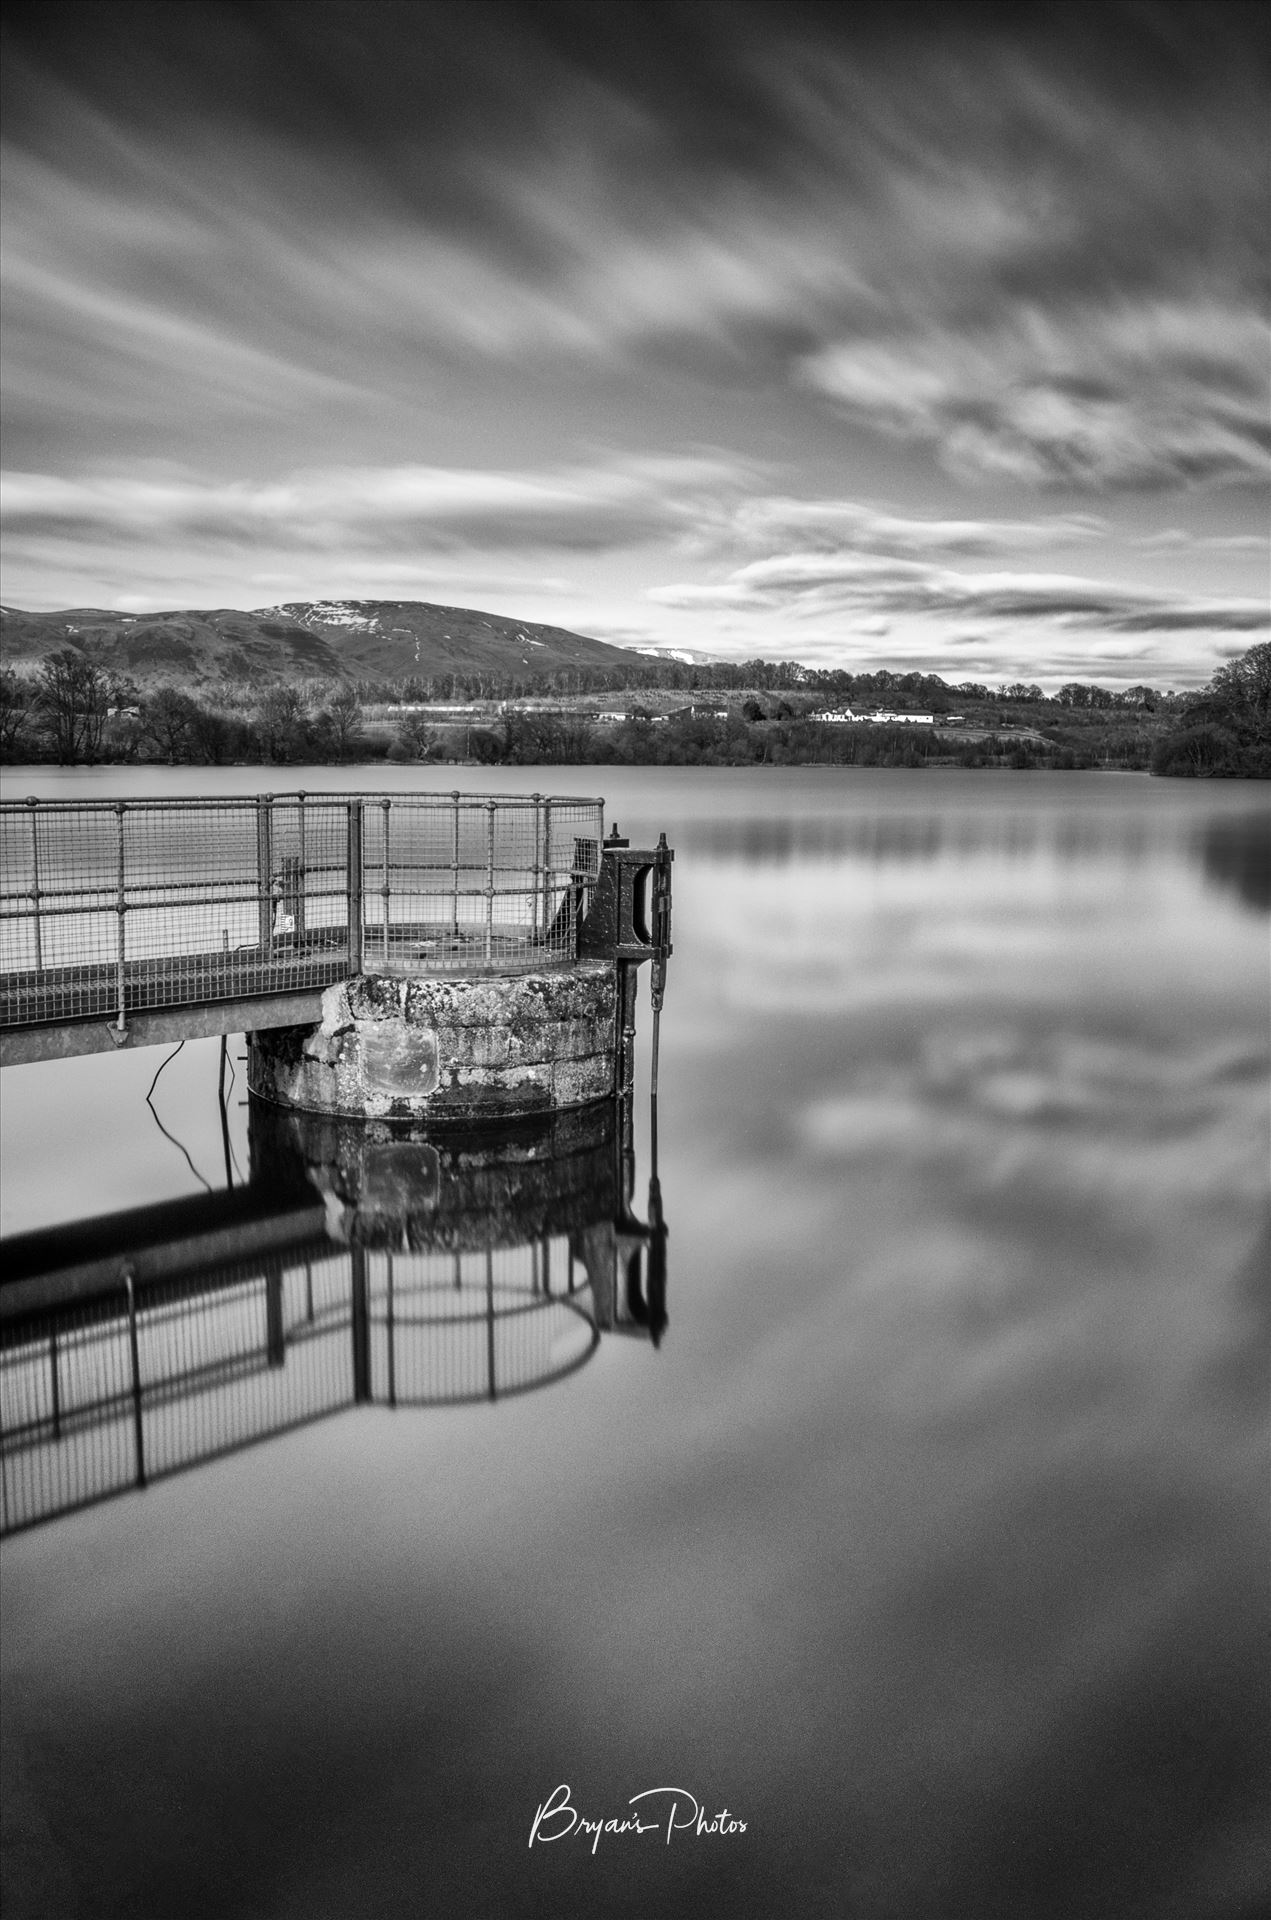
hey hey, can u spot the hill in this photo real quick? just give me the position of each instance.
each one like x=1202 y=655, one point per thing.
x=304 y=640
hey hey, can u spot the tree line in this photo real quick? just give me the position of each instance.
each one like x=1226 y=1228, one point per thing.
x=76 y=710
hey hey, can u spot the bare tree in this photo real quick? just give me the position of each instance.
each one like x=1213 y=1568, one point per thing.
x=16 y=708
x=168 y=722
x=344 y=711
x=74 y=692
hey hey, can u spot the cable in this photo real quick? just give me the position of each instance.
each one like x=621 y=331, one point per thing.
x=158 y=1122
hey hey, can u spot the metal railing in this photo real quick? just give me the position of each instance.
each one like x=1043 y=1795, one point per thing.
x=115 y=1392
x=108 y=907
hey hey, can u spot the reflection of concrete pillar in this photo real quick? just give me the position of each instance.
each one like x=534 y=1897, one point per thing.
x=275 y=1331
x=360 y=1326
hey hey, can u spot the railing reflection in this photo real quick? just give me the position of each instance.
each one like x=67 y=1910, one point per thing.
x=362 y=1265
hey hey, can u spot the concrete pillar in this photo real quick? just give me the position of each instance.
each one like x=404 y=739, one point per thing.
x=491 y=1048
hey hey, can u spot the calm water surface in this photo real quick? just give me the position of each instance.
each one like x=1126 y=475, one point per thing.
x=931 y=1543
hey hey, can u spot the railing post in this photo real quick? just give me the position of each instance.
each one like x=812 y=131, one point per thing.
x=386 y=888
x=138 y=1430
x=354 y=885
x=547 y=866
x=265 y=872
x=536 y=920
x=454 y=868
x=489 y=882
x=121 y=908
x=33 y=803
x=302 y=873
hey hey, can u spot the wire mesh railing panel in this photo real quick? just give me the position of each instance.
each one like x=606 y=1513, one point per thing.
x=111 y=1395
x=476 y=883
x=449 y=1328
x=67 y=1432
x=113 y=907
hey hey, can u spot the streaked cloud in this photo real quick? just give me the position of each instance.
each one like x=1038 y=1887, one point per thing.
x=1150 y=397
x=296 y=289
x=814 y=584
x=612 y=503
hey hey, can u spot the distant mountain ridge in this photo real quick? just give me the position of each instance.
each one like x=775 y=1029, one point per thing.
x=305 y=640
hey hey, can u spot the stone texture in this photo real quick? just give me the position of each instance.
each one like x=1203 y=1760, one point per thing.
x=447 y=1050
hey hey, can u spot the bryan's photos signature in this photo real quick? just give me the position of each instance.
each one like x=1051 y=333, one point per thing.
x=664 y=1810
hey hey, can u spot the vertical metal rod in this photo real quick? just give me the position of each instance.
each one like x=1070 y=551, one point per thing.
x=392 y=1356
x=121 y=908
x=489 y=882
x=386 y=886
x=222 y=1103
x=547 y=867
x=138 y=1430
x=458 y=1272
x=308 y=1290
x=489 y=1323
x=536 y=919
x=628 y=985
x=454 y=868
x=265 y=872
x=33 y=803
x=56 y=1385
x=302 y=875
x=353 y=881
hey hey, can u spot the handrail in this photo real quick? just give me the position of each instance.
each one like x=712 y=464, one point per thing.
x=108 y=906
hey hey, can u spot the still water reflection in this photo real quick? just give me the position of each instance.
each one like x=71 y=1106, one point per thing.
x=362 y=1265
x=931 y=1543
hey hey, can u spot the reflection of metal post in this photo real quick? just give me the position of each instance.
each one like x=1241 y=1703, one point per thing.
x=222 y=1102
x=353 y=883
x=489 y=1323
x=275 y=1331
x=392 y=1355
x=360 y=1326
x=121 y=908
x=33 y=803
x=138 y=1431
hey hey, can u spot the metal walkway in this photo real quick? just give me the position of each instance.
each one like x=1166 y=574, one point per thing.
x=158 y=919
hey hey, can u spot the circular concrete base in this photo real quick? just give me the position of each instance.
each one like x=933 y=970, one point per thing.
x=447 y=1050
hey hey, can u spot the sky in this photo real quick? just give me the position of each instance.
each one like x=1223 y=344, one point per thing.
x=913 y=336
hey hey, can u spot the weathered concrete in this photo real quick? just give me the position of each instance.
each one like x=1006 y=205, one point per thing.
x=447 y=1050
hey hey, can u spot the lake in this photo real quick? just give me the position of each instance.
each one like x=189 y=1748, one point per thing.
x=930 y=1544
